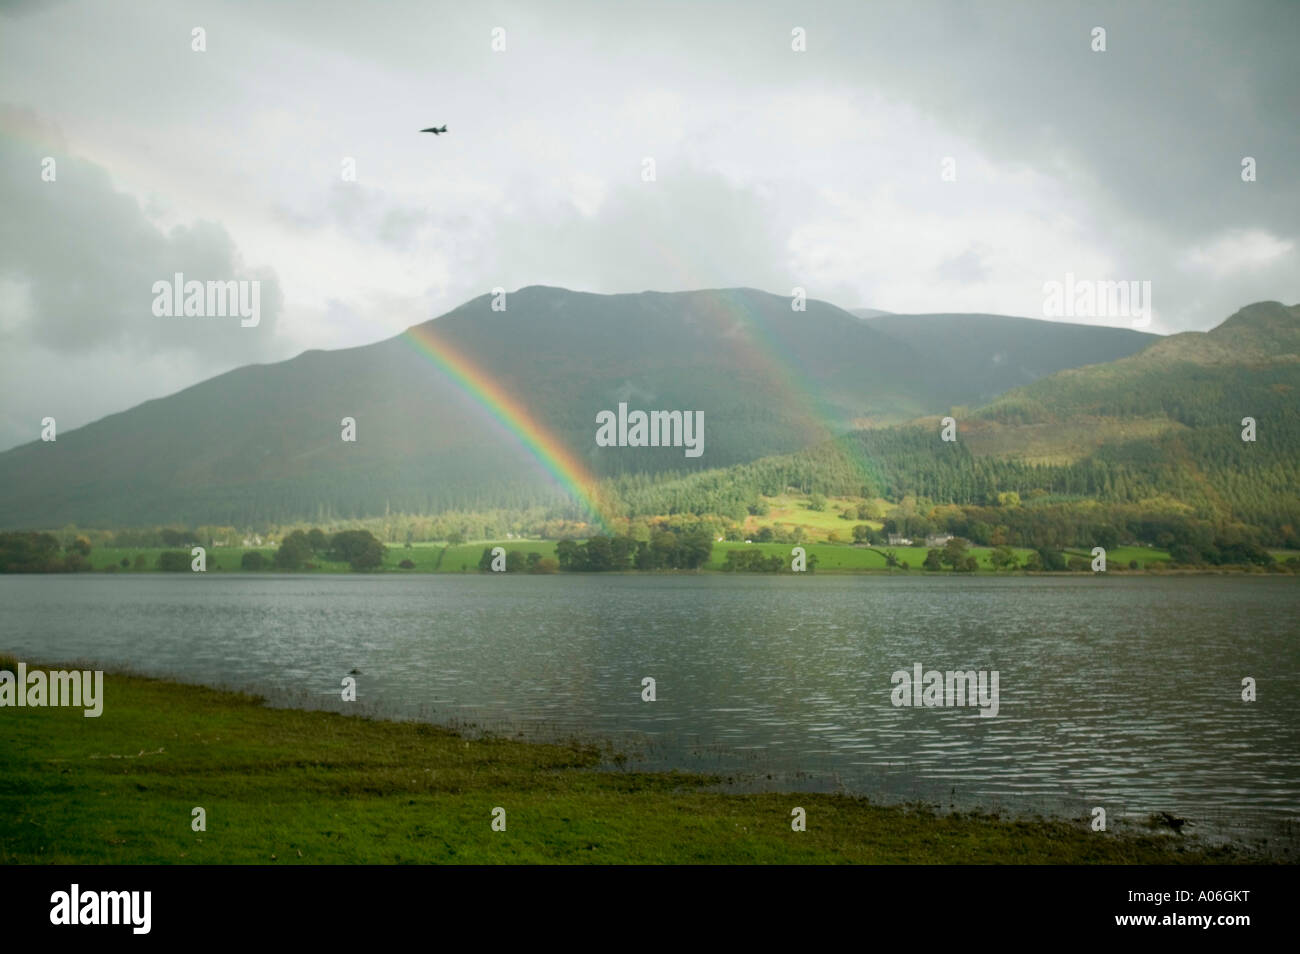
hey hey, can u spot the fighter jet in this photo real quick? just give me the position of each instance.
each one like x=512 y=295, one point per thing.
x=436 y=130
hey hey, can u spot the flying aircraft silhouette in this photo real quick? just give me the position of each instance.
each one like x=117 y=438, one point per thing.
x=435 y=129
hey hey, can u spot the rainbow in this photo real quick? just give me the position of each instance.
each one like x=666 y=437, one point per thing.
x=565 y=468
x=764 y=350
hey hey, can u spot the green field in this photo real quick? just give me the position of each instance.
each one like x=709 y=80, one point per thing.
x=793 y=510
x=284 y=786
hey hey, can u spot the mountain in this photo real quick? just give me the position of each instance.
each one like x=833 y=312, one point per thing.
x=867 y=312
x=262 y=443
x=1170 y=418
x=1156 y=433
x=1248 y=366
x=981 y=356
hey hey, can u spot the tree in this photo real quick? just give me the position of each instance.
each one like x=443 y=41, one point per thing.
x=954 y=552
x=1004 y=558
x=567 y=555
x=360 y=548
x=620 y=552
x=933 y=560
x=816 y=502
x=294 y=551
x=252 y=560
x=28 y=552
x=178 y=538
x=1106 y=536
x=1050 y=559
x=317 y=540
x=174 y=561
x=695 y=550
x=600 y=553
x=664 y=547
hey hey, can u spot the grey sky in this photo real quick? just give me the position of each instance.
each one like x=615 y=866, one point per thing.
x=773 y=168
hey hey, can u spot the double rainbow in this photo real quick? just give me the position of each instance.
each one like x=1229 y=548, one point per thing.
x=573 y=476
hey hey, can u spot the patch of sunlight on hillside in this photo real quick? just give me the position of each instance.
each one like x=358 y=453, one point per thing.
x=1060 y=442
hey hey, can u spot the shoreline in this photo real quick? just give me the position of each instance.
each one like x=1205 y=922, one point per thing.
x=279 y=783
x=703 y=571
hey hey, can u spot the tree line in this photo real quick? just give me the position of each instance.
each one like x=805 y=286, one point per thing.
x=664 y=550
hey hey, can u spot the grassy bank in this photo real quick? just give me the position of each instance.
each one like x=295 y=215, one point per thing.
x=289 y=786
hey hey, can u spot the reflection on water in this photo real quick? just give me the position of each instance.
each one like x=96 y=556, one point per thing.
x=1115 y=692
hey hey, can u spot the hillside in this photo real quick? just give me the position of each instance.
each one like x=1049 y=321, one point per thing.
x=263 y=442
x=1158 y=432
x=981 y=356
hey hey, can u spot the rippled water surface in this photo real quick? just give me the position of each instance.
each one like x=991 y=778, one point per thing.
x=1116 y=692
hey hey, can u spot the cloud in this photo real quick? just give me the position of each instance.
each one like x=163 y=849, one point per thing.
x=78 y=260
x=87 y=256
x=1237 y=251
x=968 y=268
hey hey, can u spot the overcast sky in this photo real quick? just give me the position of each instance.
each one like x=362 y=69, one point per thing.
x=774 y=168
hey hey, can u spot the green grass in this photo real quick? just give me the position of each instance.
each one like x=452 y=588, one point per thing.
x=792 y=510
x=289 y=786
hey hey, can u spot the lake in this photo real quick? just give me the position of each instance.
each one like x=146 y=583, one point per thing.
x=1119 y=692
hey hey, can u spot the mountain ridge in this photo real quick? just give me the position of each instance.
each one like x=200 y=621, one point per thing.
x=262 y=442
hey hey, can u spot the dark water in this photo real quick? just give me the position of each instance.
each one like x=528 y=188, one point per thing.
x=1124 y=693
